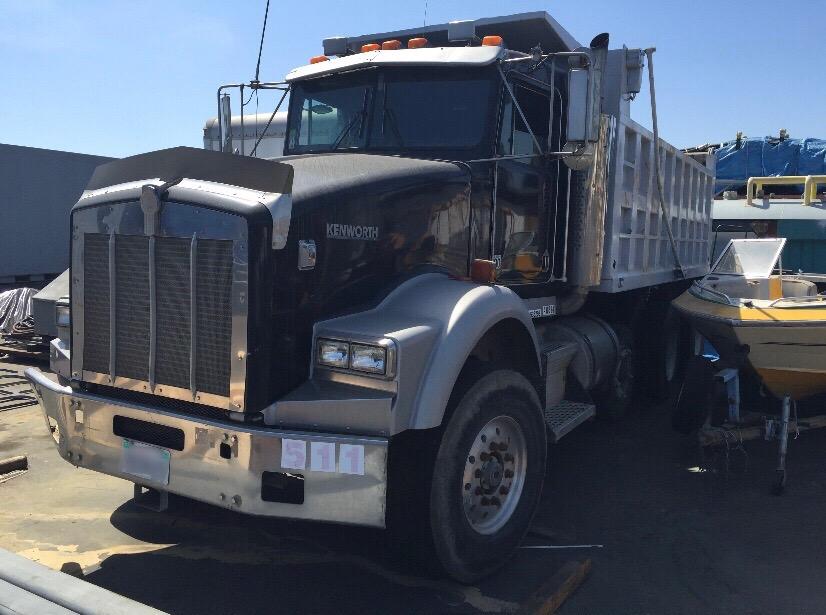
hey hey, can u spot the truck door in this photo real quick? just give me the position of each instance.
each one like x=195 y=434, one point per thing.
x=521 y=230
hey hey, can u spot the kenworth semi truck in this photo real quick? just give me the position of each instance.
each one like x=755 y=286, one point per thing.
x=467 y=250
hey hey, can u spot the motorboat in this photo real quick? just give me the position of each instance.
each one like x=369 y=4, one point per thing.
x=761 y=318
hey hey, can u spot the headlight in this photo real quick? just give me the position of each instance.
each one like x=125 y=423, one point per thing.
x=62 y=315
x=371 y=359
x=378 y=359
x=333 y=353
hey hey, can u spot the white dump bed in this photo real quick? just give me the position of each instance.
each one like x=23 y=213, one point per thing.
x=637 y=251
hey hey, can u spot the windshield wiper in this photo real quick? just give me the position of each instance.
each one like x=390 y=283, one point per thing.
x=347 y=129
x=394 y=124
x=361 y=115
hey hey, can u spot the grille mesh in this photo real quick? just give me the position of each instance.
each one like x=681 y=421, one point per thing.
x=173 y=320
x=132 y=306
x=96 y=303
x=214 y=318
x=213 y=298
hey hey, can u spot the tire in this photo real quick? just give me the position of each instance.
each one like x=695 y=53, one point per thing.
x=697 y=396
x=471 y=535
x=614 y=398
x=664 y=351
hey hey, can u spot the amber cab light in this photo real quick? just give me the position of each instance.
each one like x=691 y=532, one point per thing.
x=417 y=43
x=493 y=41
x=394 y=44
x=482 y=271
x=370 y=47
x=317 y=59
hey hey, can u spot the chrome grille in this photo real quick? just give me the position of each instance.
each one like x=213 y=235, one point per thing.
x=131 y=306
x=204 y=366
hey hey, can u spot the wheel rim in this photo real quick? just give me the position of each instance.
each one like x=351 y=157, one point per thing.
x=494 y=476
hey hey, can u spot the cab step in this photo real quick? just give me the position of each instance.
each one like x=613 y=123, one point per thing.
x=566 y=416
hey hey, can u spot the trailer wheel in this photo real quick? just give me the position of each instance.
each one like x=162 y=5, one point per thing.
x=488 y=475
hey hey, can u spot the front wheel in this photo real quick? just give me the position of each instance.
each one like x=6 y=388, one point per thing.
x=488 y=475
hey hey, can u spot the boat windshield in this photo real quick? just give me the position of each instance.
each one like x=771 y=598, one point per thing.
x=750 y=258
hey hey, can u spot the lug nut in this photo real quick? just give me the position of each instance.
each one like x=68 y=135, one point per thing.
x=508 y=457
x=484 y=438
x=467 y=486
x=503 y=490
x=508 y=473
x=471 y=459
x=494 y=501
x=484 y=456
x=494 y=446
x=486 y=502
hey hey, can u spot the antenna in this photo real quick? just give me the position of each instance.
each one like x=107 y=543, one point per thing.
x=261 y=44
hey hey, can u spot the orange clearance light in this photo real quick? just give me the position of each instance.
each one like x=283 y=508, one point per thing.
x=317 y=59
x=482 y=271
x=370 y=47
x=417 y=43
x=394 y=44
x=493 y=41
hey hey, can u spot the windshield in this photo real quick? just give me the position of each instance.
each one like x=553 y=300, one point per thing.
x=752 y=258
x=401 y=109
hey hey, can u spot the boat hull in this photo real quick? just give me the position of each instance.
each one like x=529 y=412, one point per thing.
x=786 y=347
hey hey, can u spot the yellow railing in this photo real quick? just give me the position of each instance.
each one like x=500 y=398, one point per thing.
x=810 y=182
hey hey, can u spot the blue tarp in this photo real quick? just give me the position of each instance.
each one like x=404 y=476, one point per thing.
x=771 y=157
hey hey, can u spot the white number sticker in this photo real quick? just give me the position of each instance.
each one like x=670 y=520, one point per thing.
x=293 y=454
x=323 y=456
x=351 y=459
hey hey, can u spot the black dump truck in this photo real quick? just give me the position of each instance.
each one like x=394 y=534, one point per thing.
x=467 y=250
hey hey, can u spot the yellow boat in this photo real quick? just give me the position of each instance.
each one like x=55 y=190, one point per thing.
x=759 y=318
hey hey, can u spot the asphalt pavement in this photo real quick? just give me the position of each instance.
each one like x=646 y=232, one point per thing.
x=665 y=534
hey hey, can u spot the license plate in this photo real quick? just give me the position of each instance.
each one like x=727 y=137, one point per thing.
x=145 y=461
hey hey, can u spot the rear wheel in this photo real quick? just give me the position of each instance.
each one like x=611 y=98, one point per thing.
x=488 y=475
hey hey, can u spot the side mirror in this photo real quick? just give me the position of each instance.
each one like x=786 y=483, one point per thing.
x=585 y=103
x=578 y=80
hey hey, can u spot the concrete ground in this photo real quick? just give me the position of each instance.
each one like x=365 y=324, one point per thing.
x=674 y=540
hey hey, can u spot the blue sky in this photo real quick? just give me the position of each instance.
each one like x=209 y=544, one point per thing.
x=117 y=78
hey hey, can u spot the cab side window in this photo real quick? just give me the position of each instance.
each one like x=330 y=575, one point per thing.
x=515 y=139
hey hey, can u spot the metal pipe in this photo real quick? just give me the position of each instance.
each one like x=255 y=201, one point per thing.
x=809 y=182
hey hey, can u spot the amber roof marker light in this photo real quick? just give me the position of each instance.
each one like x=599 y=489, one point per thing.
x=391 y=45
x=317 y=59
x=417 y=43
x=493 y=41
x=370 y=47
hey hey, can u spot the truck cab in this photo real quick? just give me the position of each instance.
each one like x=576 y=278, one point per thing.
x=451 y=265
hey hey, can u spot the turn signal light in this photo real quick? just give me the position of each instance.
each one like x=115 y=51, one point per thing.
x=493 y=41
x=317 y=59
x=417 y=43
x=482 y=271
x=370 y=47
x=394 y=44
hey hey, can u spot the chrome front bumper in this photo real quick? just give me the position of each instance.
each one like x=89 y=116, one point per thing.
x=82 y=425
